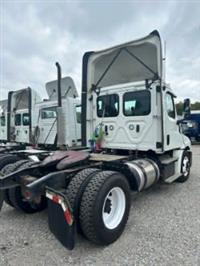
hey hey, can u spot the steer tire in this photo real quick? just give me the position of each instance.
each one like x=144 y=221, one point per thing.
x=75 y=191
x=94 y=206
x=185 y=174
x=8 y=169
x=8 y=159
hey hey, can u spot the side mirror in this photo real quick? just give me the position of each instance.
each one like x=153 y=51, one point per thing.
x=178 y=122
x=186 y=107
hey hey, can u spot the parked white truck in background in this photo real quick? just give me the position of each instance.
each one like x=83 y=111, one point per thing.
x=129 y=126
x=45 y=120
x=26 y=119
x=21 y=110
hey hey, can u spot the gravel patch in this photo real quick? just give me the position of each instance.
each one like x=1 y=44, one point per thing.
x=163 y=229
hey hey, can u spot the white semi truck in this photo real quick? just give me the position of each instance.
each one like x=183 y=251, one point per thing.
x=20 y=112
x=46 y=119
x=27 y=120
x=130 y=138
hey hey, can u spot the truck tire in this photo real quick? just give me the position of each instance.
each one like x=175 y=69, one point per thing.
x=7 y=159
x=11 y=167
x=8 y=169
x=75 y=191
x=17 y=200
x=185 y=168
x=105 y=207
x=27 y=164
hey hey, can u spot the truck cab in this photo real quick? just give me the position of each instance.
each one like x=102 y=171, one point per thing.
x=128 y=101
x=21 y=109
x=48 y=123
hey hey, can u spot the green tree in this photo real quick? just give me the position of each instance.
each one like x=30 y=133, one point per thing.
x=194 y=106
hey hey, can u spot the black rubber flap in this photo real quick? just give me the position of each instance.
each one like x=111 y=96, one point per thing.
x=64 y=232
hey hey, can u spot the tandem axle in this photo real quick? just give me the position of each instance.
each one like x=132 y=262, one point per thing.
x=73 y=183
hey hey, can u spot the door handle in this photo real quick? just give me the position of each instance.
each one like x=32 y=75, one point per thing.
x=137 y=128
x=106 y=130
x=168 y=139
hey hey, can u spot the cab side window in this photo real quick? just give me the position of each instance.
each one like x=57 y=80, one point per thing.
x=137 y=103
x=18 y=120
x=48 y=112
x=108 y=105
x=170 y=107
x=3 y=120
x=26 y=119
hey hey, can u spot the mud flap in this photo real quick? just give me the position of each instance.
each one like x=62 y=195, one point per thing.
x=60 y=218
x=1 y=198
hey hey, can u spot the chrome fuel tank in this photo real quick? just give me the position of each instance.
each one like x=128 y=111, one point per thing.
x=145 y=172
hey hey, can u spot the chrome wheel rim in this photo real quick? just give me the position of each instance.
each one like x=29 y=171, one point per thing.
x=185 y=166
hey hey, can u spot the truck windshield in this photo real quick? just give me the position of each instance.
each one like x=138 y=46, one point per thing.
x=17 y=119
x=137 y=103
x=3 y=121
x=108 y=105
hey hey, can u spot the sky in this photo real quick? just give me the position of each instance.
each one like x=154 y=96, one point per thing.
x=36 y=34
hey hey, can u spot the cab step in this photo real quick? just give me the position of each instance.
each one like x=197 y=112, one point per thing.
x=172 y=178
x=168 y=160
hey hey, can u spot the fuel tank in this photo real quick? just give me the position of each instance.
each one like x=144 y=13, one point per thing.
x=145 y=172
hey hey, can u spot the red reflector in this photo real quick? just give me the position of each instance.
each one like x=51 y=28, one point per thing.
x=27 y=194
x=68 y=217
x=55 y=198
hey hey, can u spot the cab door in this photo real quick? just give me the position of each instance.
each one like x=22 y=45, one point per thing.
x=172 y=135
x=47 y=125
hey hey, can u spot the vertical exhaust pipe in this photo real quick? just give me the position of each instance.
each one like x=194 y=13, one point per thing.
x=60 y=129
x=59 y=76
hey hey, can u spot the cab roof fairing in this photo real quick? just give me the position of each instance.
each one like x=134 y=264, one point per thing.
x=68 y=88
x=20 y=98
x=3 y=106
x=125 y=67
